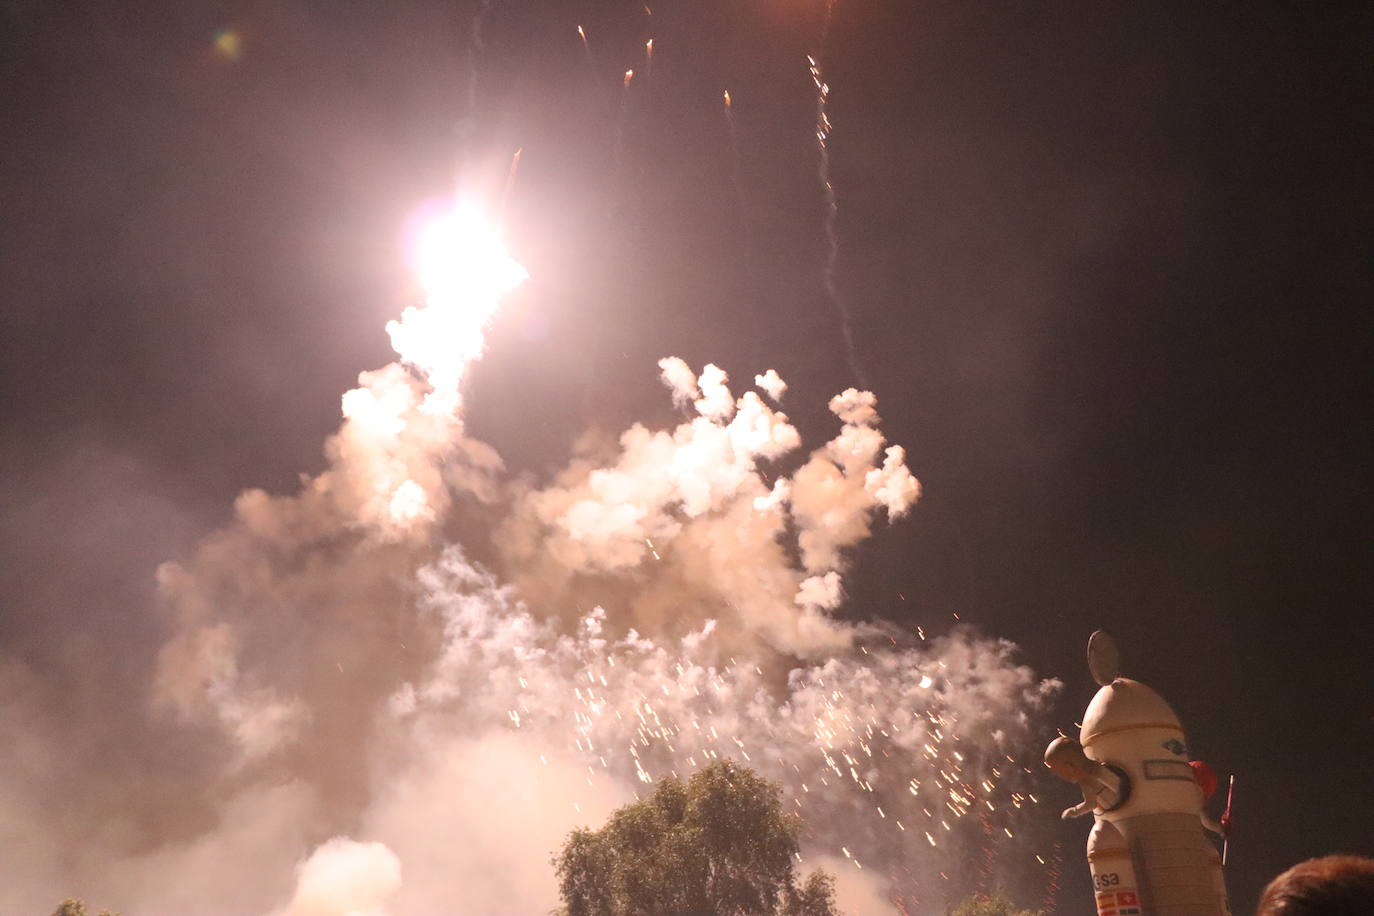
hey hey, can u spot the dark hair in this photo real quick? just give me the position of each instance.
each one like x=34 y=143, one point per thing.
x=1329 y=886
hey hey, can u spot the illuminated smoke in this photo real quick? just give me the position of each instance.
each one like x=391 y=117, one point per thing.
x=721 y=645
x=419 y=730
x=771 y=383
x=345 y=878
x=695 y=506
x=905 y=757
x=394 y=467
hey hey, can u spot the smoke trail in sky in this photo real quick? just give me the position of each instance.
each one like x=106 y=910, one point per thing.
x=476 y=48
x=832 y=201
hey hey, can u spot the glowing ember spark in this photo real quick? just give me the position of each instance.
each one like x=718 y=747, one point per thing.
x=727 y=98
x=629 y=75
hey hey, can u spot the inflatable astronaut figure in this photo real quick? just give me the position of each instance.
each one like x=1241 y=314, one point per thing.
x=1147 y=852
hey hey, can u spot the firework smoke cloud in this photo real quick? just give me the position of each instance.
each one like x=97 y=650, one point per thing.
x=398 y=728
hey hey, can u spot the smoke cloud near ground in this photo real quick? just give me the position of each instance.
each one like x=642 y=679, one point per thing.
x=386 y=724
x=345 y=878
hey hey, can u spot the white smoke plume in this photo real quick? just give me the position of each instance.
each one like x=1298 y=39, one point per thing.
x=695 y=505
x=345 y=878
x=680 y=379
x=359 y=527
x=772 y=383
x=352 y=671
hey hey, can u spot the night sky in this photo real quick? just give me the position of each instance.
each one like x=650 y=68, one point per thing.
x=1107 y=268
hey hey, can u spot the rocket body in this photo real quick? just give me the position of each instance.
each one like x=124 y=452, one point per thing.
x=1115 y=886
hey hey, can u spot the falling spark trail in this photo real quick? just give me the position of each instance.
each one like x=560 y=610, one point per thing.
x=735 y=169
x=586 y=46
x=622 y=115
x=832 y=202
x=509 y=187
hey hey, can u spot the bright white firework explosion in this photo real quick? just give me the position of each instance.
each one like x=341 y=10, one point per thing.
x=646 y=611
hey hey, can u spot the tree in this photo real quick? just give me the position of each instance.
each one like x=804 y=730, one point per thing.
x=718 y=844
x=72 y=907
x=814 y=898
x=985 y=905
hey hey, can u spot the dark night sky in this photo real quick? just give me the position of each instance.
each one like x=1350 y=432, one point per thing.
x=1108 y=267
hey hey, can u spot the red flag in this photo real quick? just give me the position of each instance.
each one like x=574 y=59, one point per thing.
x=1205 y=777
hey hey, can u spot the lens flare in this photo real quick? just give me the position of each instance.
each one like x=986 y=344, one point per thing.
x=229 y=44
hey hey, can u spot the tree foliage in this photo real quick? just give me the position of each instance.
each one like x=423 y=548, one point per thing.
x=816 y=896
x=994 y=905
x=73 y=907
x=718 y=844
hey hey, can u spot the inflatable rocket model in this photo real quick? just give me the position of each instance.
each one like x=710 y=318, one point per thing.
x=1147 y=850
